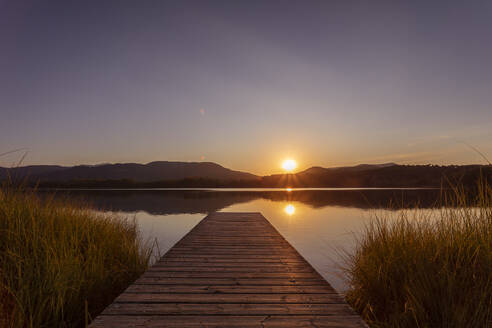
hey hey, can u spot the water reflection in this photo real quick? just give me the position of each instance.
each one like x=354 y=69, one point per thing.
x=326 y=221
x=207 y=201
x=289 y=209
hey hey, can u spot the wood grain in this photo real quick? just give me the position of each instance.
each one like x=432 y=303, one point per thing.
x=230 y=270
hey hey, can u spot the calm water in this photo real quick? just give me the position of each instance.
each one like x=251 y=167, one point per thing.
x=317 y=222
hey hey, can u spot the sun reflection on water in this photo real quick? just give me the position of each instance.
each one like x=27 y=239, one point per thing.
x=289 y=209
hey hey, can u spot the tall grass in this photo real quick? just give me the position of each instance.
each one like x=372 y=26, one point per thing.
x=61 y=263
x=427 y=270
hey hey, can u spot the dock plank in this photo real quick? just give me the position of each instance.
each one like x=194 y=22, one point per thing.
x=230 y=270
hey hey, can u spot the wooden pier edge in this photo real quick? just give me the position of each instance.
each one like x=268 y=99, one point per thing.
x=230 y=270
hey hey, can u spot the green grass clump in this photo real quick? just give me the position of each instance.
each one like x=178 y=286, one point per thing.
x=427 y=270
x=61 y=263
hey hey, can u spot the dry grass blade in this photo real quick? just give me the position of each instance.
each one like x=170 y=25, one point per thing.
x=421 y=270
x=57 y=256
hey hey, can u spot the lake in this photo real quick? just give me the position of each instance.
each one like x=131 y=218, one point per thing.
x=319 y=223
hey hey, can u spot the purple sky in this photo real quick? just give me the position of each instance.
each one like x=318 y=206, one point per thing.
x=246 y=84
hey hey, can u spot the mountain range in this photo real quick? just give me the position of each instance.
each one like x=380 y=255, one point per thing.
x=154 y=171
x=206 y=174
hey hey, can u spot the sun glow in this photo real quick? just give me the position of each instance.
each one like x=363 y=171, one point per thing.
x=289 y=165
x=289 y=209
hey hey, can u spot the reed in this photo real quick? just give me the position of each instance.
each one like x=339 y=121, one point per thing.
x=61 y=263
x=427 y=269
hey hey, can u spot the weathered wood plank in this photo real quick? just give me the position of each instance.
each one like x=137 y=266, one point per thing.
x=262 y=321
x=227 y=308
x=177 y=266
x=169 y=260
x=230 y=274
x=230 y=281
x=230 y=270
x=236 y=257
x=214 y=289
x=228 y=298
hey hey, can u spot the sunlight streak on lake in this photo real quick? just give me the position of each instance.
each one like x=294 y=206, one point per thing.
x=289 y=209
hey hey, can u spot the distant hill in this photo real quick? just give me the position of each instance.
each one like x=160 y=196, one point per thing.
x=382 y=176
x=154 y=171
x=206 y=174
x=32 y=170
x=360 y=167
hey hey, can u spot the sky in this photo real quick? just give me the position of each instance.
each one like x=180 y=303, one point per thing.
x=245 y=84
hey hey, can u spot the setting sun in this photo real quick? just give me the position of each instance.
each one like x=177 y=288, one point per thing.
x=289 y=165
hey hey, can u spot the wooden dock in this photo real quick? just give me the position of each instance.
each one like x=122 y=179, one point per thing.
x=230 y=270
